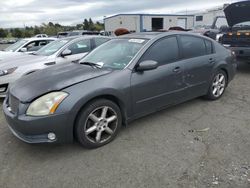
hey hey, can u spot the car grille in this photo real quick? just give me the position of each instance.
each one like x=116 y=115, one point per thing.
x=13 y=103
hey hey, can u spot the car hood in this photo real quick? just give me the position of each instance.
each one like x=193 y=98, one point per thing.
x=237 y=13
x=4 y=54
x=20 y=60
x=54 y=78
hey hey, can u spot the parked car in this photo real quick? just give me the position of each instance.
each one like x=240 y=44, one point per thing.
x=123 y=79
x=233 y=30
x=62 y=34
x=82 y=32
x=28 y=45
x=41 y=36
x=65 y=50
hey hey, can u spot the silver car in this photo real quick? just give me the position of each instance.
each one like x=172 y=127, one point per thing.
x=27 y=45
x=65 y=50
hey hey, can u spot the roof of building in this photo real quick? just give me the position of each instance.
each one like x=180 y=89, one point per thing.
x=191 y=15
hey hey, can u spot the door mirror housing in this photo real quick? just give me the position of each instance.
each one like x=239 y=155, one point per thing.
x=66 y=52
x=147 y=65
x=23 y=50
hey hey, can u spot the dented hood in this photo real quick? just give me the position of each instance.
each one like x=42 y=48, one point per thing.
x=53 y=79
x=237 y=13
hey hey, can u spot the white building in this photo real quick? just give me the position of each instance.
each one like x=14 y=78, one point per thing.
x=206 y=18
x=147 y=22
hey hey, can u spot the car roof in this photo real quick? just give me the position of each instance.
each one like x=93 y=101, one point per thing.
x=83 y=37
x=144 y=35
x=36 y=38
x=152 y=35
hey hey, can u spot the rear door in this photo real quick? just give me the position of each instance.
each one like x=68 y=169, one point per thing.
x=154 y=89
x=79 y=49
x=199 y=60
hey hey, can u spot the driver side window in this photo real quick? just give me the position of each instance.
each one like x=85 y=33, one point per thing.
x=78 y=47
x=163 y=51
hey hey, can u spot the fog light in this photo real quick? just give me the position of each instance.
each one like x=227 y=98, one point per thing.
x=51 y=136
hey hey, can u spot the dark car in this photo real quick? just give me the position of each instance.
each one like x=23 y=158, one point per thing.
x=233 y=29
x=124 y=79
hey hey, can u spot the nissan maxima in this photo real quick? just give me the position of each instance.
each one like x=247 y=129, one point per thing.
x=124 y=79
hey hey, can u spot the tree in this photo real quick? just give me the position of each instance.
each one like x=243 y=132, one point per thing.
x=3 y=33
x=86 y=24
x=17 y=33
x=91 y=25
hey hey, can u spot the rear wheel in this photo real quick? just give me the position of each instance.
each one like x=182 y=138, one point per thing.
x=218 y=86
x=98 y=123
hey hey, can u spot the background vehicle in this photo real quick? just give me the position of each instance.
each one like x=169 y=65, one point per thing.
x=62 y=34
x=123 y=79
x=28 y=45
x=233 y=30
x=82 y=32
x=65 y=50
x=41 y=36
x=215 y=31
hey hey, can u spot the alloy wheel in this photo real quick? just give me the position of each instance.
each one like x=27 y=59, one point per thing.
x=219 y=85
x=101 y=124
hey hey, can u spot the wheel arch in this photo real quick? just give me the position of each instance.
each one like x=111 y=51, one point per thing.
x=110 y=97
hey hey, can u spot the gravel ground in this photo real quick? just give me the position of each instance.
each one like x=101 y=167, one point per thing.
x=195 y=144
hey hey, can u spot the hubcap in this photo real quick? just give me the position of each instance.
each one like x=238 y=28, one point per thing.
x=100 y=124
x=219 y=84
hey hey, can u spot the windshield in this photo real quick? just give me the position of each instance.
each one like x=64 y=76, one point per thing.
x=16 y=46
x=221 y=22
x=52 y=47
x=115 y=54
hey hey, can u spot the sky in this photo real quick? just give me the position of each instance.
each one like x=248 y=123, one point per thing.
x=20 y=13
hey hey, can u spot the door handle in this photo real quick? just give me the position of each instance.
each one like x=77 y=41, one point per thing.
x=50 y=63
x=177 y=69
x=211 y=60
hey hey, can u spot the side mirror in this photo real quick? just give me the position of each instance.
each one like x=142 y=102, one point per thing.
x=23 y=50
x=147 y=65
x=66 y=53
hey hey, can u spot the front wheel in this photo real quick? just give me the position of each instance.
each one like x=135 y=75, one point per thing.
x=218 y=86
x=98 y=123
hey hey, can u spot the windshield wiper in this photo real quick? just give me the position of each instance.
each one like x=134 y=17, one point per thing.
x=91 y=64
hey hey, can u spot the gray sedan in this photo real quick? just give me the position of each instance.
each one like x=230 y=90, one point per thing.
x=66 y=50
x=123 y=79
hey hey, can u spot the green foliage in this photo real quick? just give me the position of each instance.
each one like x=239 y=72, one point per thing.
x=50 y=29
x=3 y=33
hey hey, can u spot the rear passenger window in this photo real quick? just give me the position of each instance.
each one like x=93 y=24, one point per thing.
x=192 y=46
x=209 y=46
x=163 y=51
x=79 y=47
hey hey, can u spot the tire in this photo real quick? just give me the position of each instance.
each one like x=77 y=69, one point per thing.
x=217 y=86
x=98 y=123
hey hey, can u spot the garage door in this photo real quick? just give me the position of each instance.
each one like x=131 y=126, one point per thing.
x=182 y=22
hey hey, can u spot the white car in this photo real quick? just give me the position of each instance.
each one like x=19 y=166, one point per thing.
x=41 y=36
x=27 y=45
x=70 y=49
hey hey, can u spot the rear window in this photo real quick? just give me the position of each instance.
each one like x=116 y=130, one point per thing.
x=193 y=46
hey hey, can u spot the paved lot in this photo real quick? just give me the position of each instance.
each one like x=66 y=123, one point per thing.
x=3 y=46
x=195 y=144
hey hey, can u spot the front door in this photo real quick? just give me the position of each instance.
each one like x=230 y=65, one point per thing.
x=155 y=89
x=79 y=49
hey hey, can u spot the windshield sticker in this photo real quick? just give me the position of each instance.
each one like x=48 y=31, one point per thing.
x=137 y=40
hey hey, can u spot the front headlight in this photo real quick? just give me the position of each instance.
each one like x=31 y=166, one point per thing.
x=46 y=104
x=7 y=71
